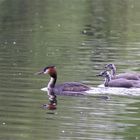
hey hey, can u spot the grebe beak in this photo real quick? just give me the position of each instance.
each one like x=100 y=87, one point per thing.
x=98 y=75
x=101 y=73
x=106 y=67
x=40 y=72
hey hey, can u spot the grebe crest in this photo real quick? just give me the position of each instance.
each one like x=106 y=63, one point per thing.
x=51 y=70
x=111 y=66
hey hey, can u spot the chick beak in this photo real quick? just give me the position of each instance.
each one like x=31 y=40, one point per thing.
x=98 y=75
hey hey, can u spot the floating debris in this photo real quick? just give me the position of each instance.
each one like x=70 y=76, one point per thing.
x=14 y=42
x=3 y=123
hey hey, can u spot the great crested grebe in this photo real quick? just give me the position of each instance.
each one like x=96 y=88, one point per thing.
x=68 y=88
x=118 y=82
x=128 y=76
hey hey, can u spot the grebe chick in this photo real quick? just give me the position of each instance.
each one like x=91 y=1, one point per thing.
x=68 y=88
x=118 y=82
x=128 y=76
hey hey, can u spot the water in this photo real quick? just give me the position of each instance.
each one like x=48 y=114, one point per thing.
x=79 y=37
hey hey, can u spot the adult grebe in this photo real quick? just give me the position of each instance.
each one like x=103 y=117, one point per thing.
x=128 y=76
x=68 y=88
x=118 y=82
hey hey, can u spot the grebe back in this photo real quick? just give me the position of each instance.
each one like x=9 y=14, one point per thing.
x=128 y=76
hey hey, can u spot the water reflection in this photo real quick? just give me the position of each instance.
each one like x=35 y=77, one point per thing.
x=98 y=119
x=79 y=37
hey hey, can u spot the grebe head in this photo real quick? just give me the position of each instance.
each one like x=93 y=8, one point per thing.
x=110 y=66
x=104 y=73
x=51 y=70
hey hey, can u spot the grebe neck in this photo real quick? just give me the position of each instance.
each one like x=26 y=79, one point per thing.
x=52 y=82
x=113 y=71
x=107 y=80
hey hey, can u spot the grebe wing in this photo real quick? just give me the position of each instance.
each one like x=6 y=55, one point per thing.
x=71 y=88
